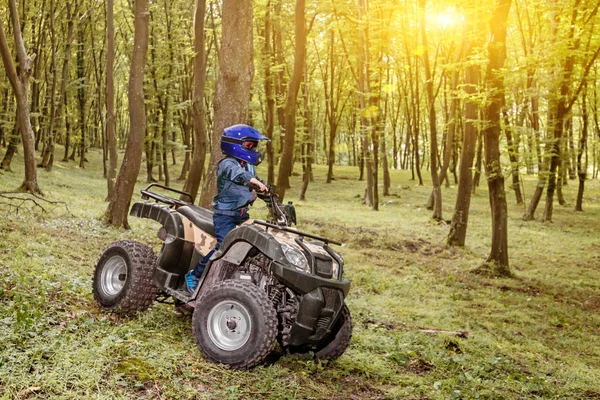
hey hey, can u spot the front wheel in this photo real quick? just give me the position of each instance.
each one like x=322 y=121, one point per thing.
x=123 y=277
x=235 y=323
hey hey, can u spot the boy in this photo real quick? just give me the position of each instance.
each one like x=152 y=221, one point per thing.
x=235 y=173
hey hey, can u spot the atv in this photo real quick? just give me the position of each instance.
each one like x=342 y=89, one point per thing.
x=267 y=282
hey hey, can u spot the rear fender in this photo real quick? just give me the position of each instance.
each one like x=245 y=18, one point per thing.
x=176 y=253
x=162 y=214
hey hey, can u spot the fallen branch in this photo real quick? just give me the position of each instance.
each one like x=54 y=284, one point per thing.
x=461 y=334
x=18 y=200
x=390 y=327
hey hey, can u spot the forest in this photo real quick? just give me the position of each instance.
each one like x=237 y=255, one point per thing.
x=454 y=147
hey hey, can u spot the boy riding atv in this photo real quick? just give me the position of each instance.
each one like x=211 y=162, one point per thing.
x=255 y=284
x=235 y=174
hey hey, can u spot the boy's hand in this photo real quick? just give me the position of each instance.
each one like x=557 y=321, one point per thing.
x=261 y=186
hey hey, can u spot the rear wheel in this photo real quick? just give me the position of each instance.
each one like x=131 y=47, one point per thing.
x=123 y=277
x=235 y=323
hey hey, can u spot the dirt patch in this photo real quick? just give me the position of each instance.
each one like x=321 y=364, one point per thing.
x=529 y=290
x=589 y=395
x=420 y=367
x=360 y=390
x=592 y=304
x=380 y=324
x=422 y=246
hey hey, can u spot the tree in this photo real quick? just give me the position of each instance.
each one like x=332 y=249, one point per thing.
x=118 y=207
x=19 y=81
x=236 y=71
x=364 y=90
x=498 y=256
x=111 y=126
x=433 y=147
x=287 y=156
x=581 y=167
x=197 y=168
x=460 y=218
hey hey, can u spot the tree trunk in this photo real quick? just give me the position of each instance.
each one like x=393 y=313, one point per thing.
x=3 y=115
x=81 y=88
x=308 y=139
x=13 y=142
x=581 y=167
x=452 y=117
x=332 y=111
x=270 y=98
x=48 y=153
x=478 y=161
x=433 y=147
x=236 y=71
x=287 y=155
x=111 y=126
x=460 y=218
x=118 y=207
x=364 y=88
x=199 y=156
x=498 y=256
x=20 y=85
x=513 y=155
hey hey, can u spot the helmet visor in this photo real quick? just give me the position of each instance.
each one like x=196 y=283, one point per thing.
x=253 y=146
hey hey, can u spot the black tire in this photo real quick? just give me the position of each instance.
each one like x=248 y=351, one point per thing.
x=235 y=323
x=123 y=278
x=334 y=346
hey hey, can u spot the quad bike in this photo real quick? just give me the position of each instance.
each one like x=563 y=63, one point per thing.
x=267 y=282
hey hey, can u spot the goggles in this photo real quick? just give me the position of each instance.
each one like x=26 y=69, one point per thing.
x=250 y=144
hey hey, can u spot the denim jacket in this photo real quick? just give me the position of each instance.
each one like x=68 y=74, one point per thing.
x=231 y=177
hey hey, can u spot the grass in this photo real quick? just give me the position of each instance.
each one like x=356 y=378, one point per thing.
x=532 y=336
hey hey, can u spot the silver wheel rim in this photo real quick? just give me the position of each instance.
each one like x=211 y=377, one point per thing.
x=229 y=325
x=114 y=276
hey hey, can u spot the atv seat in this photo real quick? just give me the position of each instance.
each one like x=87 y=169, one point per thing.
x=201 y=217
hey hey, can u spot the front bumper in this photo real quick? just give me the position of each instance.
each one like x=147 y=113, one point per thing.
x=320 y=304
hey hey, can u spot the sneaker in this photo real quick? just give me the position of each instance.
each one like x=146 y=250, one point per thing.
x=191 y=281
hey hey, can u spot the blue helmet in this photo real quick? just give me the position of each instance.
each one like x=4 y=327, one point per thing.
x=240 y=142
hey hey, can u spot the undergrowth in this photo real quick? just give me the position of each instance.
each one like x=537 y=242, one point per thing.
x=529 y=336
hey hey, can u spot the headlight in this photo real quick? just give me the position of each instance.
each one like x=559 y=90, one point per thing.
x=295 y=257
x=336 y=269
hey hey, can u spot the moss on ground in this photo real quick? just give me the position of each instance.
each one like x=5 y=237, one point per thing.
x=530 y=336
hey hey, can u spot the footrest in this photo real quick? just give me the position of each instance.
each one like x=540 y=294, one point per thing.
x=164 y=278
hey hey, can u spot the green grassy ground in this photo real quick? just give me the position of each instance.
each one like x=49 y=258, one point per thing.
x=531 y=336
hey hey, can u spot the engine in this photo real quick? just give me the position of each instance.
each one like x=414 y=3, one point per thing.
x=284 y=299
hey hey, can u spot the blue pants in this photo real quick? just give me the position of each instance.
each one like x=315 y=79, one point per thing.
x=223 y=225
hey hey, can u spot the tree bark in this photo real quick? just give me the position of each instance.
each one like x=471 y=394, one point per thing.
x=433 y=147
x=236 y=71
x=48 y=153
x=13 y=142
x=498 y=256
x=458 y=226
x=287 y=155
x=20 y=85
x=478 y=161
x=582 y=148
x=81 y=89
x=199 y=156
x=118 y=207
x=513 y=155
x=364 y=89
x=270 y=98
x=111 y=126
x=308 y=139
